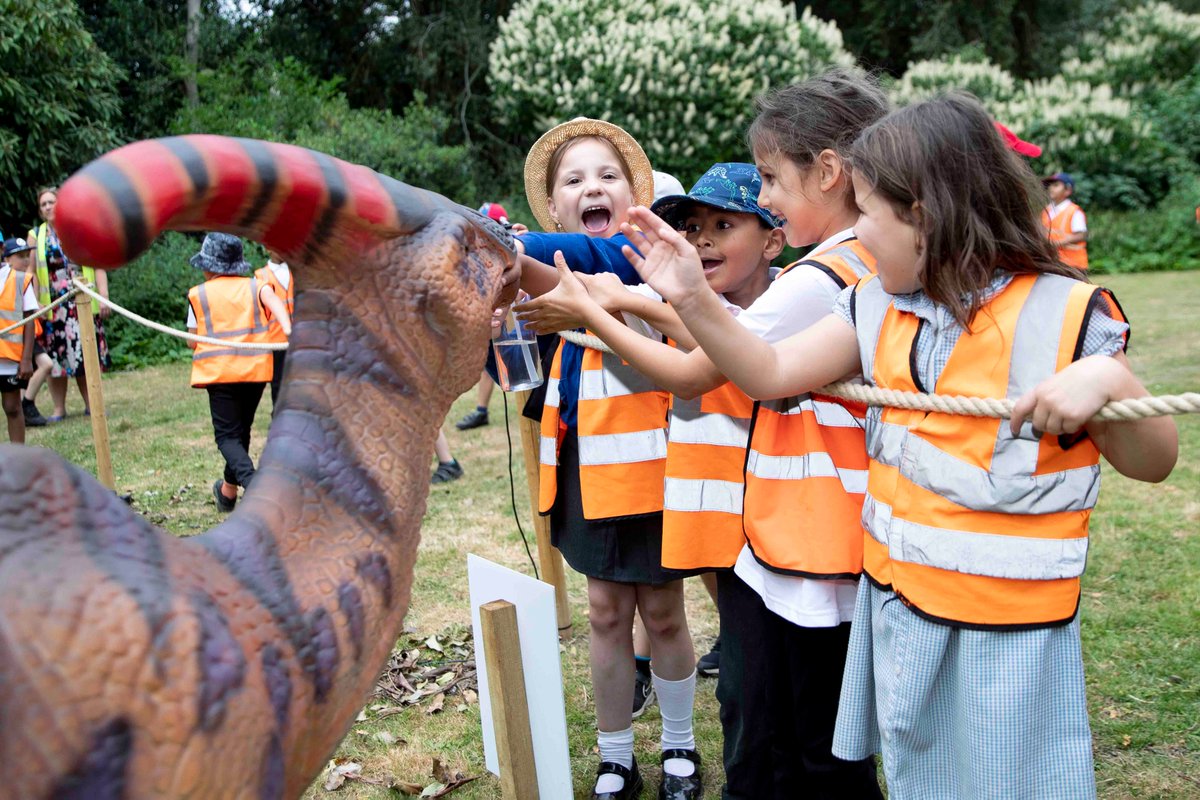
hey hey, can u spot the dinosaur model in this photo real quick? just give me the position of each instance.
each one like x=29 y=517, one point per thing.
x=230 y=664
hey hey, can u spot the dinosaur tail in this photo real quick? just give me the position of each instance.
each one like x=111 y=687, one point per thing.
x=289 y=198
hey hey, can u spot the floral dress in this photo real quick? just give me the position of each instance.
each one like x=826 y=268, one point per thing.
x=60 y=334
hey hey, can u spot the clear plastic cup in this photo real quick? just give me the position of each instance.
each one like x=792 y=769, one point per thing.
x=518 y=363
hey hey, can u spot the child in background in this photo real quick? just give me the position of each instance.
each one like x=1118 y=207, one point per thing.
x=603 y=455
x=278 y=276
x=972 y=685
x=792 y=589
x=1064 y=221
x=236 y=308
x=17 y=299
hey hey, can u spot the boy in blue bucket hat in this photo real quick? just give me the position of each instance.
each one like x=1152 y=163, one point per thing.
x=736 y=240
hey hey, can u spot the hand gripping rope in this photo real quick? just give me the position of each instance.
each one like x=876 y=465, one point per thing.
x=1137 y=408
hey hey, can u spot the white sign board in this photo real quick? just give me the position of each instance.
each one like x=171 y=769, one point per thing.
x=537 y=625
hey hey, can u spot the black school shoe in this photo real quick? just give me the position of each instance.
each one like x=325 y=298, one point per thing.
x=674 y=787
x=223 y=503
x=476 y=419
x=33 y=417
x=633 y=781
x=643 y=693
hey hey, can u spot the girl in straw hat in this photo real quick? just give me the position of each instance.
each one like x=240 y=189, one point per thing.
x=603 y=456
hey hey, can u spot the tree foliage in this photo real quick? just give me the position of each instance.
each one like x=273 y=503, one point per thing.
x=59 y=101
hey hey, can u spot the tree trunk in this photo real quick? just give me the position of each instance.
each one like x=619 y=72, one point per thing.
x=192 y=46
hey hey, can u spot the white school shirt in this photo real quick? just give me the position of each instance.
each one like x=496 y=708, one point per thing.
x=1078 y=220
x=30 y=303
x=793 y=302
x=282 y=273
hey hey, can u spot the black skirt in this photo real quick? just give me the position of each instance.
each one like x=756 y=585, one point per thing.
x=626 y=550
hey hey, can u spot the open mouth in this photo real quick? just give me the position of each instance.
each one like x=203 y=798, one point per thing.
x=710 y=264
x=596 y=219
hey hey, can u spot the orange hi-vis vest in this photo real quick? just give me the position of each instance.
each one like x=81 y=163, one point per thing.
x=967 y=524
x=12 y=310
x=622 y=439
x=267 y=276
x=806 y=465
x=228 y=308
x=702 y=493
x=1059 y=227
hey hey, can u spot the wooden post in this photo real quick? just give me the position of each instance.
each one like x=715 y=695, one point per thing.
x=91 y=371
x=550 y=562
x=510 y=707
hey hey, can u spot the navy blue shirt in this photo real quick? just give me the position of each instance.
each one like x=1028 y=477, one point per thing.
x=589 y=255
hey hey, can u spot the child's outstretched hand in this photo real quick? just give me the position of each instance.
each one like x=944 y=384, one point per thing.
x=1066 y=402
x=562 y=308
x=606 y=289
x=662 y=256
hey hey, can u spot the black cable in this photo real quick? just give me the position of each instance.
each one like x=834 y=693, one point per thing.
x=512 y=488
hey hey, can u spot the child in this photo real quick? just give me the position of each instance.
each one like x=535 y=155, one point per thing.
x=278 y=276
x=788 y=603
x=972 y=684
x=1064 y=221
x=603 y=455
x=17 y=299
x=236 y=308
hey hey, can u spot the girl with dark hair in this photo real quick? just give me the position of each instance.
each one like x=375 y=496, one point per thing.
x=971 y=685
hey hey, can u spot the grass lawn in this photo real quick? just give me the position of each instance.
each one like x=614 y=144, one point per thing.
x=1141 y=604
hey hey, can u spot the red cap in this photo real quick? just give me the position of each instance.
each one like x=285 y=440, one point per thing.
x=495 y=211
x=1016 y=143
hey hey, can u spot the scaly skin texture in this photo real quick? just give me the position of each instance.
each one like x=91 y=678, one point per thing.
x=230 y=664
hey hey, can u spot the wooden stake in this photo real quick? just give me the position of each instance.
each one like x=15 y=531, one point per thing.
x=550 y=562
x=510 y=707
x=91 y=371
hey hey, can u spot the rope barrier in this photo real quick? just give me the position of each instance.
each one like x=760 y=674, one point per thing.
x=31 y=316
x=191 y=337
x=1136 y=408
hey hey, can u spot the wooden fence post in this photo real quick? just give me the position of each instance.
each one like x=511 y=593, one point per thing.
x=510 y=707
x=91 y=371
x=550 y=562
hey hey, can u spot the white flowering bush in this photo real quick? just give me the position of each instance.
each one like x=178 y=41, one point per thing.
x=1146 y=47
x=680 y=75
x=979 y=76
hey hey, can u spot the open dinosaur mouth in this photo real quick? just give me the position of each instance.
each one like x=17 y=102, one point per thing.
x=596 y=219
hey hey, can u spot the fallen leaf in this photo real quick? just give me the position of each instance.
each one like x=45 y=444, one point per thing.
x=433 y=644
x=403 y=787
x=470 y=695
x=461 y=707
x=1126 y=740
x=362 y=716
x=348 y=770
x=445 y=678
x=439 y=701
x=385 y=737
x=433 y=790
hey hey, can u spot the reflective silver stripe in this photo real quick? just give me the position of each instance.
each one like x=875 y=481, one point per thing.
x=989 y=554
x=811 y=465
x=614 y=379
x=715 y=429
x=845 y=252
x=871 y=304
x=551 y=393
x=548 y=451
x=828 y=414
x=622 y=448
x=876 y=519
x=1036 y=342
x=207 y=315
x=258 y=323
x=230 y=352
x=681 y=494
x=979 y=489
x=10 y=315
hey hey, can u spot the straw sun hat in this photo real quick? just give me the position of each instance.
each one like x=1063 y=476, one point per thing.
x=538 y=161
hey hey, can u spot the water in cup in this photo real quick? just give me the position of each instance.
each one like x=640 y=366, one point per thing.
x=518 y=365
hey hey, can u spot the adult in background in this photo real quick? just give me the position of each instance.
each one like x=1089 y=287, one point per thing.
x=60 y=335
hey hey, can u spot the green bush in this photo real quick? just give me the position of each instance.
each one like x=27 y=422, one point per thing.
x=154 y=286
x=1166 y=238
x=680 y=75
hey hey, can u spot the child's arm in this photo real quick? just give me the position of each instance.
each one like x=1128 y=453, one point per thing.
x=276 y=307
x=191 y=345
x=583 y=253
x=608 y=291
x=824 y=352
x=25 y=368
x=102 y=290
x=1144 y=449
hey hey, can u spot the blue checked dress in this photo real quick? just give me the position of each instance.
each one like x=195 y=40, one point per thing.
x=962 y=713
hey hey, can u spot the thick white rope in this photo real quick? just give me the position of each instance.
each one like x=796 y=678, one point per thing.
x=191 y=337
x=1138 y=408
x=32 y=315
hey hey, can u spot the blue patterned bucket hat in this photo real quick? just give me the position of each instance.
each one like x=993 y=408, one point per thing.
x=733 y=186
x=221 y=254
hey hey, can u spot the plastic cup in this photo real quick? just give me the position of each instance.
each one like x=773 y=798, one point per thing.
x=518 y=363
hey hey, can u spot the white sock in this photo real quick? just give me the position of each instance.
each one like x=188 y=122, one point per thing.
x=617 y=747
x=675 y=701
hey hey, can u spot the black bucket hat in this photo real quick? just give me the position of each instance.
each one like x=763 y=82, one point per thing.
x=221 y=254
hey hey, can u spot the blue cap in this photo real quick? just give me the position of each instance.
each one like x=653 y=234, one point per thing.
x=1061 y=177
x=732 y=186
x=16 y=245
